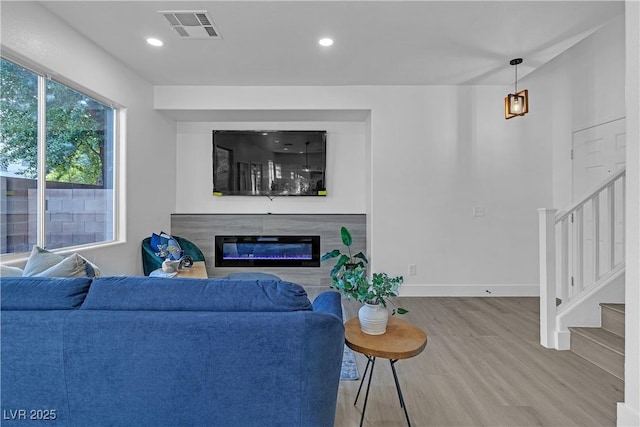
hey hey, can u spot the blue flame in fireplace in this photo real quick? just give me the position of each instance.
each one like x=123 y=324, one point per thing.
x=267 y=251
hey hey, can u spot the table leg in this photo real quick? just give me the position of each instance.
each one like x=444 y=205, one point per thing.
x=366 y=369
x=371 y=360
x=402 y=404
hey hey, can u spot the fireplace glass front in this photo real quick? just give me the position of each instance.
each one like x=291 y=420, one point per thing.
x=267 y=251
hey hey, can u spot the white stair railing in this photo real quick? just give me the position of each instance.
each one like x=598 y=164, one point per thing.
x=578 y=249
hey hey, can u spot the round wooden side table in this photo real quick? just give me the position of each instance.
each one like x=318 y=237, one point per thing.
x=402 y=340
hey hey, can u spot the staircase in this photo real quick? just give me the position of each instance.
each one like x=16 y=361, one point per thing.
x=582 y=266
x=603 y=346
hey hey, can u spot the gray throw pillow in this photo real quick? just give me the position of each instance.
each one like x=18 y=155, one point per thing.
x=72 y=266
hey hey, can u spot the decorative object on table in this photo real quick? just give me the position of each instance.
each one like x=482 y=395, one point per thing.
x=166 y=246
x=171 y=266
x=345 y=261
x=150 y=259
x=349 y=276
x=373 y=293
x=186 y=261
x=373 y=318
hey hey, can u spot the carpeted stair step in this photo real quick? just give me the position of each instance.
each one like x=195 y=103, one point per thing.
x=613 y=318
x=601 y=347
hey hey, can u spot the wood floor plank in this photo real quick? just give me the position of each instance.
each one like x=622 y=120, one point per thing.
x=483 y=366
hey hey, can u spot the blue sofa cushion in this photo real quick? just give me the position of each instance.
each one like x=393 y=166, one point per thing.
x=43 y=293
x=32 y=369
x=158 y=294
x=252 y=276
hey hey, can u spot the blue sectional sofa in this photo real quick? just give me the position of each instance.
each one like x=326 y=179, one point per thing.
x=141 y=351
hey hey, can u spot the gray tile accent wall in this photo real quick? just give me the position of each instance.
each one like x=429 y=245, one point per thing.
x=202 y=228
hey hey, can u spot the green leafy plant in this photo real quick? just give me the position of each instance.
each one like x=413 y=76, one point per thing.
x=349 y=276
x=345 y=261
x=353 y=283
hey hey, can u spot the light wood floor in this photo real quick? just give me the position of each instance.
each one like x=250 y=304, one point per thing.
x=483 y=366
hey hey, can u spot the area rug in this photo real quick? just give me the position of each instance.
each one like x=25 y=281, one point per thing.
x=349 y=370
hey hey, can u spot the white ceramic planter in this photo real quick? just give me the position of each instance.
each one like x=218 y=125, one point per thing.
x=373 y=319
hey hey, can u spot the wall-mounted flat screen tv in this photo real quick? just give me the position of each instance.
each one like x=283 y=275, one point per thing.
x=269 y=163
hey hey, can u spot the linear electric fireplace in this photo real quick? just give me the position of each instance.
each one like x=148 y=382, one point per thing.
x=267 y=251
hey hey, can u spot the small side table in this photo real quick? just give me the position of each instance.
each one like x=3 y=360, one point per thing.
x=197 y=271
x=402 y=340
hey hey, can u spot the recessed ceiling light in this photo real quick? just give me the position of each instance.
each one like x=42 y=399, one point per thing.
x=154 y=42
x=325 y=42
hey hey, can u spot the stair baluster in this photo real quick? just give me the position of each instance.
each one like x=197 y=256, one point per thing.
x=588 y=250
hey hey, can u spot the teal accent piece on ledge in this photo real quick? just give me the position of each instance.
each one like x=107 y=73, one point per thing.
x=151 y=261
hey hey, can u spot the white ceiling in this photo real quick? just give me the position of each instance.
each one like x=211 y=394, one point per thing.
x=376 y=42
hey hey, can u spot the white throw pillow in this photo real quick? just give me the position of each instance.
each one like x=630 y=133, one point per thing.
x=9 y=271
x=42 y=263
x=39 y=261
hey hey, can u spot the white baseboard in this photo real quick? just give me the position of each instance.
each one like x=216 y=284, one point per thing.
x=563 y=340
x=470 y=290
x=627 y=417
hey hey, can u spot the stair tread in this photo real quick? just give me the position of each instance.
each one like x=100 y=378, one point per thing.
x=603 y=337
x=615 y=307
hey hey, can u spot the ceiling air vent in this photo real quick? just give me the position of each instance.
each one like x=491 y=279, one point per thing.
x=191 y=24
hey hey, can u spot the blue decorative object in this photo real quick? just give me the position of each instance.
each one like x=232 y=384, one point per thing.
x=166 y=246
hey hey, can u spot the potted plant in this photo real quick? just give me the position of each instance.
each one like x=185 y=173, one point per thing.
x=345 y=261
x=349 y=276
x=373 y=293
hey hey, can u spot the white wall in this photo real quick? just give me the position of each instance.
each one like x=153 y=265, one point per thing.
x=582 y=87
x=629 y=410
x=434 y=153
x=32 y=33
x=345 y=170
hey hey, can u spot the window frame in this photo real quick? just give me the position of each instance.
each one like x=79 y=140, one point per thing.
x=119 y=132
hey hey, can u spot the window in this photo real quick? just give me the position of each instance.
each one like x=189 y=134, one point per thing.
x=57 y=167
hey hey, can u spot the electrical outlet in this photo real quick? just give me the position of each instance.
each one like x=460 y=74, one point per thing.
x=412 y=269
x=478 y=211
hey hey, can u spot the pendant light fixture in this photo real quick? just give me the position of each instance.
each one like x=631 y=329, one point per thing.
x=516 y=103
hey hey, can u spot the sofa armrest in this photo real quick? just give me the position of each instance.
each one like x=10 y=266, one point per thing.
x=329 y=302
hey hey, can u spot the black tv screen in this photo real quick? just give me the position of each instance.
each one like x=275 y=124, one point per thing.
x=269 y=163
